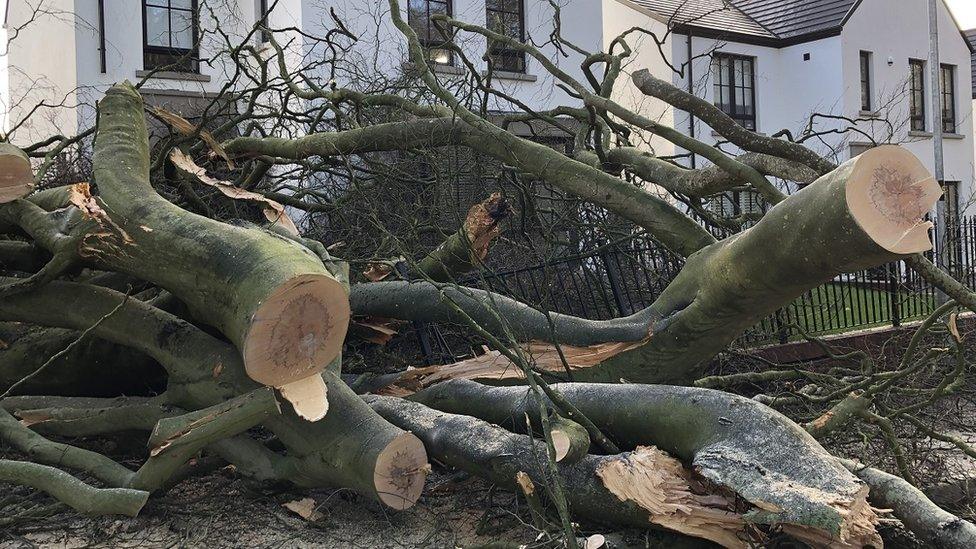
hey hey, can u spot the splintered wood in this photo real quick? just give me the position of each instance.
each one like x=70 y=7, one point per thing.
x=661 y=485
x=677 y=499
x=494 y=366
x=482 y=224
x=308 y=396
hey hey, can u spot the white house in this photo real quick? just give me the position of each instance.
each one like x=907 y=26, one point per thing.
x=971 y=35
x=831 y=65
x=772 y=64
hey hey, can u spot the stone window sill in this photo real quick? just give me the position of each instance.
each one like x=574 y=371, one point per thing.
x=170 y=75
x=953 y=136
x=508 y=75
x=411 y=68
x=923 y=135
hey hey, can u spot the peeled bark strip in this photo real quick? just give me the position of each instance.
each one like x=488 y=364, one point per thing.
x=73 y=492
x=925 y=519
x=733 y=441
x=176 y=439
x=238 y=279
x=16 y=174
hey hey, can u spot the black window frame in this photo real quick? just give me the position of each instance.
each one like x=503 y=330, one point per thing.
x=433 y=48
x=170 y=58
x=948 y=98
x=502 y=57
x=735 y=109
x=866 y=59
x=916 y=97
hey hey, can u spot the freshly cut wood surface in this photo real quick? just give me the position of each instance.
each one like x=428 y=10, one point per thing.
x=16 y=175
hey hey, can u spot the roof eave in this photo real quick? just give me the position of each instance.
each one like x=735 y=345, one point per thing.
x=766 y=41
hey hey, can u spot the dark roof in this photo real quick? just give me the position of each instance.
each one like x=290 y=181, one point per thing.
x=791 y=19
x=971 y=36
x=775 y=23
x=765 y=22
x=711 y=15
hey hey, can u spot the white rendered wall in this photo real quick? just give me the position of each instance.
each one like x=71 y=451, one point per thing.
x=788 y=89
x=903 y=34
x=40 y=67
x=620 y=16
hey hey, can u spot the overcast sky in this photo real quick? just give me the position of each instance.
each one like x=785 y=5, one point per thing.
x=965 y=11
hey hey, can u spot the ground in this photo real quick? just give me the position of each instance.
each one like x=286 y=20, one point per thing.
x=223 y=509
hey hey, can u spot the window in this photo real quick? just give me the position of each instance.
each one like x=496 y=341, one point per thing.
x=506 y=17
x=169 y=33
x=866 y=103
x=917 y=98
x=264 y=35
x=433 y=39
x=737 y=203
x=948 y=99
x=735 y=87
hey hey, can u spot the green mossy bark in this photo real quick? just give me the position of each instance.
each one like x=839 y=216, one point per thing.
x=731 y=440
x=222 y=272
x=723 y=290
x=337 y=451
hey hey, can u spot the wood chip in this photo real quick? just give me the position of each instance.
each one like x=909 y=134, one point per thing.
x=304 y=508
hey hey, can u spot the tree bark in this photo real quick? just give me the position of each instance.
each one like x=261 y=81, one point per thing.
x=735 y=442
x=237 y=279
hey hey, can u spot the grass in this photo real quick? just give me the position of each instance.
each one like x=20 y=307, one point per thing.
x=843 y=307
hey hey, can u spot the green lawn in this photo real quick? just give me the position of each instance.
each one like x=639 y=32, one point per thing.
x=843 y=307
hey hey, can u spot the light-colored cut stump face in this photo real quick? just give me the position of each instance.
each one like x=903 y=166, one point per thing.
x=888 y=193
x=309 y=397
x=16 y=175
x=561 y=443
x=401 y=470
x=297 y=331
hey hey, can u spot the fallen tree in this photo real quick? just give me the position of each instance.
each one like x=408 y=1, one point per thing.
x=238 y=324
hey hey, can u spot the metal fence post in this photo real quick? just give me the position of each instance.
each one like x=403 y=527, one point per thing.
x=420 y=327
x=613 y=277
x=894 y=301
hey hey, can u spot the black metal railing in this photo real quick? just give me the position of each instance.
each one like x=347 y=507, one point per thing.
x=621 y=279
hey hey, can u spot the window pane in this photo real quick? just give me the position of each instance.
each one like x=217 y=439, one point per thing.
x=417 y=17
x=181 y=23
x=496 y=22
x=157 y=27
x=181 y=4
x=513 y=26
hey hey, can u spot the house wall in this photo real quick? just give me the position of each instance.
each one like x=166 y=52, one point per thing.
x=788 y=88
x=75 y=69
x=40 y=68
x=381 y=49
x=900 y=35
x=620 y=16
